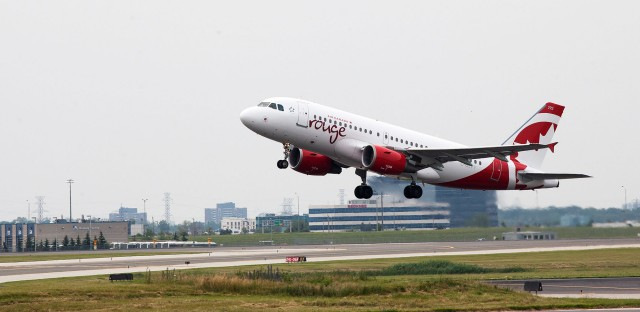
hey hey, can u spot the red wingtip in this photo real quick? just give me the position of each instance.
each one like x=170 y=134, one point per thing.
x=552 y=146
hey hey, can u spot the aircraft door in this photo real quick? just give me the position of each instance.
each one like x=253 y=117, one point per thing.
x=497 y=169
x=303 y=114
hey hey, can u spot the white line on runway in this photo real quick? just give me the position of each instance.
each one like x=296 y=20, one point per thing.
x=25 y=277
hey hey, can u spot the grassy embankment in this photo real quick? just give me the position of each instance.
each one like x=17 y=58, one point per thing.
x=442 y=283
x=462 y=234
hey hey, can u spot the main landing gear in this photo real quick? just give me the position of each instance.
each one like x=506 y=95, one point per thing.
x=363 y=191
x=412 y=191
x=283 y=163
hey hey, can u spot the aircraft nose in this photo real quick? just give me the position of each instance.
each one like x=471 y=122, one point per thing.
x=249 y=117
x=245 y=116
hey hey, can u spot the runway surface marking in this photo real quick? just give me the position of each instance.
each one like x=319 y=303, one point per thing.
x=132 y=268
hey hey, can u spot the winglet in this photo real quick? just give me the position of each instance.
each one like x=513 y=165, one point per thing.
x=552 y=146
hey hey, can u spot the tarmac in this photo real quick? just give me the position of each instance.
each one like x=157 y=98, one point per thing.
x=238 y=256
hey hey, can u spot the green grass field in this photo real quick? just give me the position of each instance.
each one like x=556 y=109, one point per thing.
x=449 y=284
x=461 y=234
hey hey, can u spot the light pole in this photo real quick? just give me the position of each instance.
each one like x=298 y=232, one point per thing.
x=70 y=181
x=144 y=207
x=625 y=197
x=298 y=219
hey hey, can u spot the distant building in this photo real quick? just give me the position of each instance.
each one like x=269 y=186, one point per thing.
x=128 y=214
x=223 y=210
x=365 y=214
x=281 y=223
x=136 y=229
x=237 y=225
x=528 y=235
x=14 y=237
x=467 y=207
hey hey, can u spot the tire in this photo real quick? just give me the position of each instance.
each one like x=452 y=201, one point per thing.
x=367 y=191
x=358 y=192
x=408 y=192
x=417 y=191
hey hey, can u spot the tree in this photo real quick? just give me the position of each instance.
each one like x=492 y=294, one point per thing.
x=29 y=244
x=65 y=242
x=102 y=242
x=55 y=244
x=175 y=236
x=148 y=234
x=78 y=242
x=72 y=243
x=184 y=236
x=225 y=232
x=41 y=246
x=46 y=244
x=87 y=241
x=164 y=227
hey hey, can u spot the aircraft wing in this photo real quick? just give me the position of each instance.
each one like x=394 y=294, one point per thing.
x=436 y=157
x=547 y=176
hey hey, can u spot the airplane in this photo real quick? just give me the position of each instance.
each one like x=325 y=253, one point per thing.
x=319 y=140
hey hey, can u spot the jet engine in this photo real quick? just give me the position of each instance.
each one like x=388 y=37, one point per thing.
x=383 y=160
x=311 y=163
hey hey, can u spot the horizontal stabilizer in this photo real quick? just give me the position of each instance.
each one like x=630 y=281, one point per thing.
x=549 y=176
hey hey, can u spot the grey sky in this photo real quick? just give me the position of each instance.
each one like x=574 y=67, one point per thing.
x=136 y=98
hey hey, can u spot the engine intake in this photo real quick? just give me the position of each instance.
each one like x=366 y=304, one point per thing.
x=383 y=160
x=311 y=163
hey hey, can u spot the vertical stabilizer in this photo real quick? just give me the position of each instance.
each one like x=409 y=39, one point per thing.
x=540 y=128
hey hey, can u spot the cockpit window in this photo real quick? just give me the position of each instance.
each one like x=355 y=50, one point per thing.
x=273 y=105
x=263 y=104
x=280 y=107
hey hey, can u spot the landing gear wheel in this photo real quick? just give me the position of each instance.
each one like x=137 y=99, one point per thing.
x=412 y=191
x=283 y=164
x=363 y=191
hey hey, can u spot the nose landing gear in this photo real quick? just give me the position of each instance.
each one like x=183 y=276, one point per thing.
x=412 y=191
x=283 y=163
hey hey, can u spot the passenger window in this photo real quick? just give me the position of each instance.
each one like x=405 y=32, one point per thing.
x=280 y=107
x=371 y=132
x=386 y=136
x=350 y=127
x=401 y=141
x=396 y=139
x=378 y=133
x=273 y=105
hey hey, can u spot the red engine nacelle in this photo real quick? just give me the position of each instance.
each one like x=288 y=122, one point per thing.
x=312 y=163
x=383 y=160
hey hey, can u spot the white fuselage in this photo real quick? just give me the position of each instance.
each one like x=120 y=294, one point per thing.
x=341 y=136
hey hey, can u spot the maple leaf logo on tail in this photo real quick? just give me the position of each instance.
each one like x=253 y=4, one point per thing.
x=540 y=129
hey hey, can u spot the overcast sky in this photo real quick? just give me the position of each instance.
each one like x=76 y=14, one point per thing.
x=136 y=98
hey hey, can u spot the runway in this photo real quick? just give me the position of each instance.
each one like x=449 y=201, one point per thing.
x=619 y=287
x=237 y=256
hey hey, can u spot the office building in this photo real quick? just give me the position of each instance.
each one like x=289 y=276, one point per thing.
x=372 y=214
x=128 y=214
x=223 y=210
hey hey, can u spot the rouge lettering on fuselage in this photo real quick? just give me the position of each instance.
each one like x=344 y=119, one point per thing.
x=333 y=130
